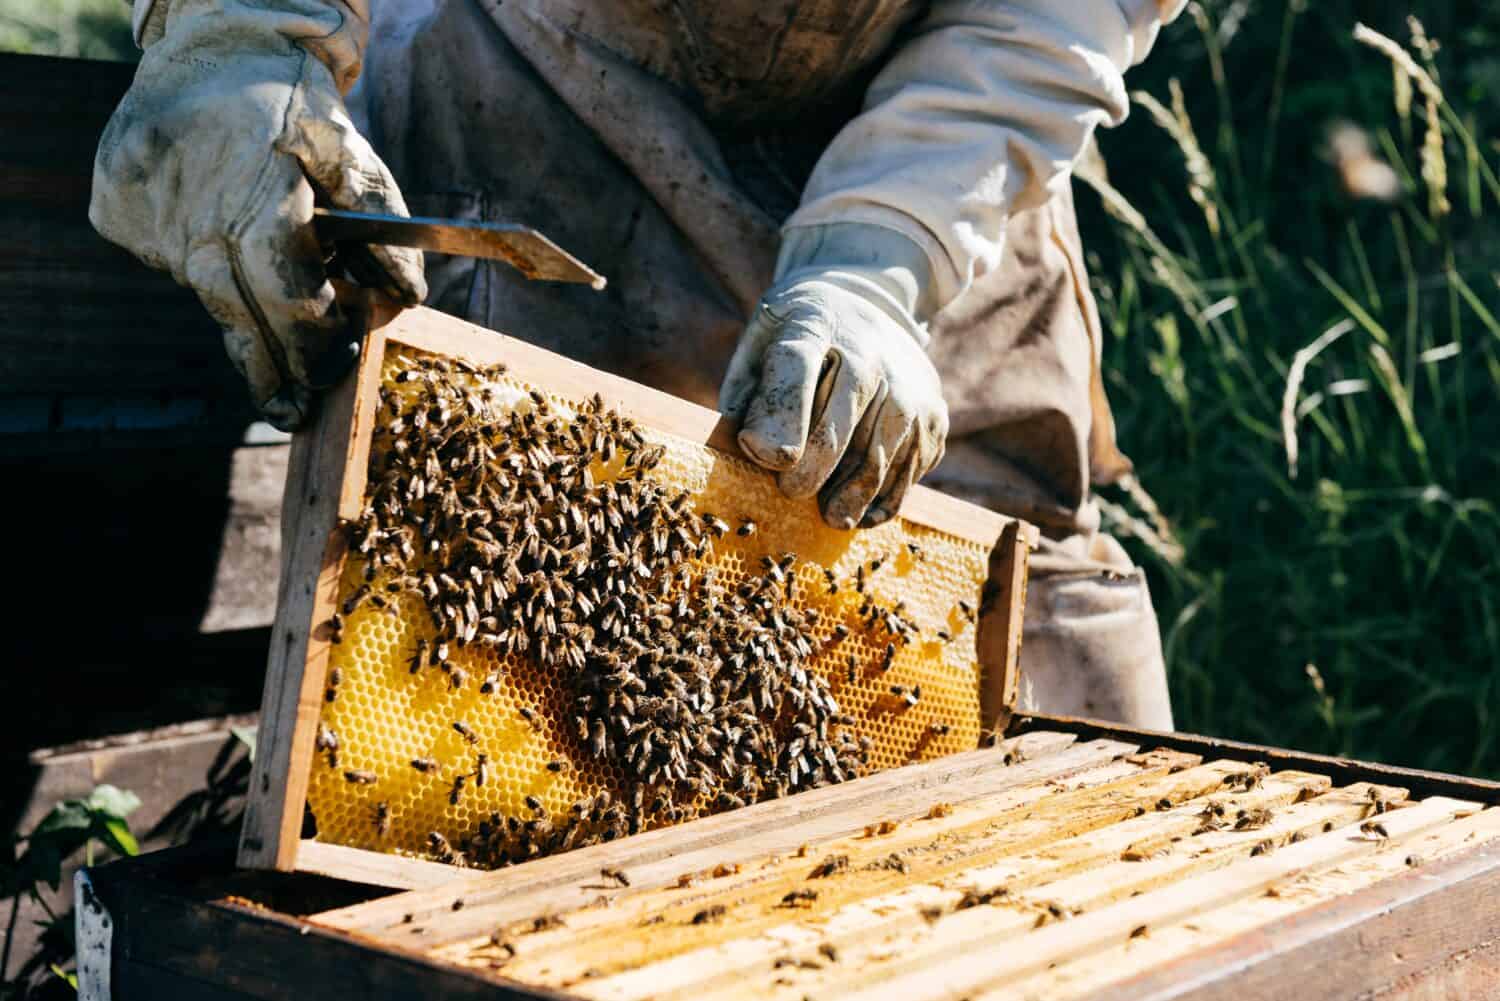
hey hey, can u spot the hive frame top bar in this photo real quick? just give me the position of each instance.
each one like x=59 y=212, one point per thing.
x=426 y=331
x=326 y=486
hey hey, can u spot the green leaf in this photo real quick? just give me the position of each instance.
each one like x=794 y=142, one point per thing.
x=115 y=832
x=42 y=862
x=70 y=814
x=112 y=802
x=245 y=735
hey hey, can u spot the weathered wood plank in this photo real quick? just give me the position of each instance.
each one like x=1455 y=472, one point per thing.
x=428 y=330
x=965 y=955
x=1376 y=925
x=1027 y=848
x=773 y=826
x=257 y=953
x=81 y=315
x=938 y=850
x=318 y=494
x=1343 y=771
x=377 y=868
x=998 y=642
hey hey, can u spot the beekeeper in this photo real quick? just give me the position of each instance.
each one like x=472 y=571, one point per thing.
x=847 y=223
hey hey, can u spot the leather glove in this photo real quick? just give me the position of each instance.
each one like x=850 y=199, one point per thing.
x=830 y=381
x=210 y=166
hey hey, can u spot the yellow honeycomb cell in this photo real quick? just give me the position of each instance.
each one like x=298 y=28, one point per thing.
x=385 y=716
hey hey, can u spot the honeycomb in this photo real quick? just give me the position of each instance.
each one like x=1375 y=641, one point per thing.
x=384 y=715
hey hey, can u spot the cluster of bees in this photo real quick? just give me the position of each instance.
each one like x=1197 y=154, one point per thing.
x=527 y=530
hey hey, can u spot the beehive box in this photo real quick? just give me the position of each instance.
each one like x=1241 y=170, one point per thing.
x=468 y=526
x=1074 y=861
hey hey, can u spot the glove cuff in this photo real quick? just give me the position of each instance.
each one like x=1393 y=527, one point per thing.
x=879 y=264
x=335 y=32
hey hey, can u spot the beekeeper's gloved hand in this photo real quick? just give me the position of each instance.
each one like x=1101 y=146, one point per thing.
x=208 y=170
x=831 y=383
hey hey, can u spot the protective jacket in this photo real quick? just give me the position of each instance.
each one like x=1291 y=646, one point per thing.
x=671 y=145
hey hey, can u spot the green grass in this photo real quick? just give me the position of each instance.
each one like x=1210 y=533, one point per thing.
x=1350 y=604
x=91 y=29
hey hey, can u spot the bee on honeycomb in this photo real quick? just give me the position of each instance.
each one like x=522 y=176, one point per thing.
x=550 y=635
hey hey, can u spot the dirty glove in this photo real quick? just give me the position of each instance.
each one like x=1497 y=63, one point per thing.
x=830 y=381
x=209 y=167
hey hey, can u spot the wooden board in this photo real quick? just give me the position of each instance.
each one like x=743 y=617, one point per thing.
x=97 y=349
x=1113 y=886
x=325 y=487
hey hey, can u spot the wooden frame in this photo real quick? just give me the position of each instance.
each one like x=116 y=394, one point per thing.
x=185 y=923
x=325 y=487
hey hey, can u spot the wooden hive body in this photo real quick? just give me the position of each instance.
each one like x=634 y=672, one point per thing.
x=1074 y=861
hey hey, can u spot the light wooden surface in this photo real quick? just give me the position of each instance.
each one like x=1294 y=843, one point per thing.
x=325 y=486
x=781 y=825
x=998 y=642
x=1084 y=872
x=1015 y=884
x=377 y=868
x=325 y=483
x=429 y=330
x=970 y=956
x=1115 y=965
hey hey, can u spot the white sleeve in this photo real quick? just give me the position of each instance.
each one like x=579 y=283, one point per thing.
x=981 y=113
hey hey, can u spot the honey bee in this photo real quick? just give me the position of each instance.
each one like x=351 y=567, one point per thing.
x=383 y=819
x=1374 y=829
x=713 y=912
x=327 y=739
x=746 y=529
x=939 y=729
x=799 y=898
x=357 y=777
x=481 y=769
x=831 y=866
x=1249 y=820
x=908 y=695
x=556 y=765
x=618 y=875
x=418 y=657
x=439 y=846
x=535 y=805
x=465 y=731
x=455 y=795
x=424 y=765
x=1249 y=779
x=352 y=602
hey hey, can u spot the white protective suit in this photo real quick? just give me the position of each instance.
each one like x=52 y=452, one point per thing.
x=701 y=151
